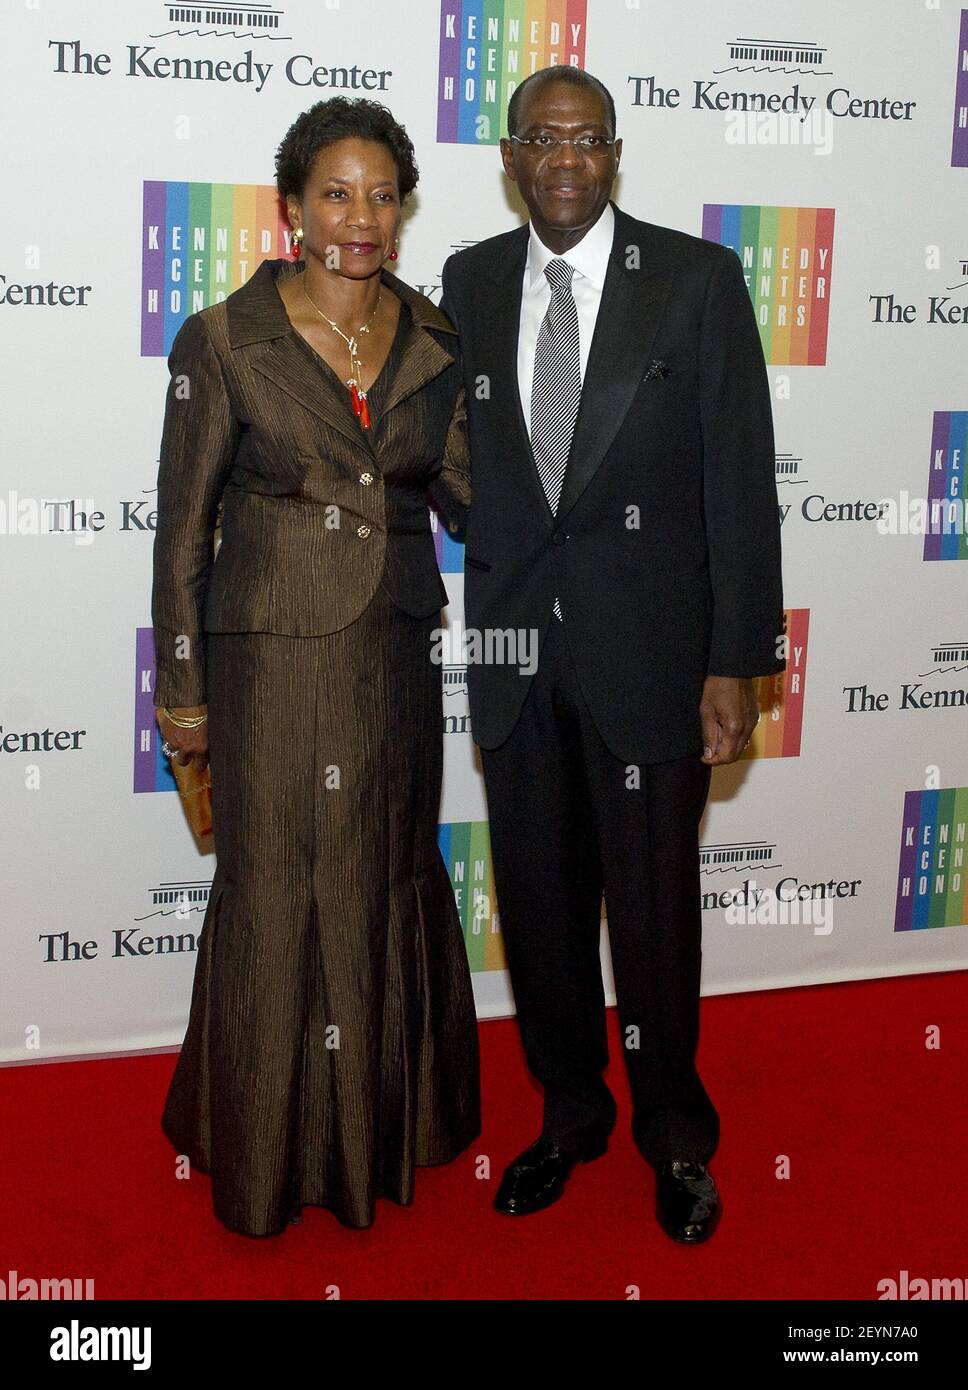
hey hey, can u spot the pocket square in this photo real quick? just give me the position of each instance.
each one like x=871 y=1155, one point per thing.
x=658 y=368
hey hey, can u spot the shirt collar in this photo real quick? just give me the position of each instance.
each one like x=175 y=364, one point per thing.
x=589 y=256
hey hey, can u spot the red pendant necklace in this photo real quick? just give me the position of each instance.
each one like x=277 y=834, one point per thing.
x=355 y=382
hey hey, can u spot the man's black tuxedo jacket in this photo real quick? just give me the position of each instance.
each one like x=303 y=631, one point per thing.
x=665 y=547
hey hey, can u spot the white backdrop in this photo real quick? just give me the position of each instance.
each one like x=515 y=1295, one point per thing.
x=740 y=121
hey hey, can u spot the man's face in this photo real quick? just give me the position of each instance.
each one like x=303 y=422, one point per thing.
x=564 y=187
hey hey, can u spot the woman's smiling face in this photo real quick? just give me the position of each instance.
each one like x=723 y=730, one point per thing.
x=350 y=207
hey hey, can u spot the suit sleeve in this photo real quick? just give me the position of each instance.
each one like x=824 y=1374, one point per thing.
x=199 y=440
x=739 y=481
x=451 y=490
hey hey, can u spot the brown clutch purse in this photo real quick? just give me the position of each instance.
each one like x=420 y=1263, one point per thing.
x=195 y=791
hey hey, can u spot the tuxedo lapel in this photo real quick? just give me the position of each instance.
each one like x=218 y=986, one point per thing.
x=633 y=298
x=499 y=355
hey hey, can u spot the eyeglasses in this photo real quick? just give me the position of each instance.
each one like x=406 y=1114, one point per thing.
x=585 y=144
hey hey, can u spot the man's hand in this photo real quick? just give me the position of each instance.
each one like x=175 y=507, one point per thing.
x=729 y=714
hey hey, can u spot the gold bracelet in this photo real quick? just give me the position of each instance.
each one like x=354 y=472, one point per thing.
x=193 y=723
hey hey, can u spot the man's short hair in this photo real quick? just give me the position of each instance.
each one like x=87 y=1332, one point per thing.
x=578 y=77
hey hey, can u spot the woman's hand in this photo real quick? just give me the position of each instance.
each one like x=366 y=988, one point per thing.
x=186 y=743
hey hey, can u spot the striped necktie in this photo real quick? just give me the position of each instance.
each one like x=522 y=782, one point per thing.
x=556 y=390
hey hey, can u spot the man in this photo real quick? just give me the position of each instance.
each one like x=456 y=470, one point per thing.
x=624 y=508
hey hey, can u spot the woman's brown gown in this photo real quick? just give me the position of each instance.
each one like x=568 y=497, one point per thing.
x=332 y=1045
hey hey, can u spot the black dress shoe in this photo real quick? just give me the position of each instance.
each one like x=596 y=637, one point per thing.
x=537 y=1177
x=687 y=1203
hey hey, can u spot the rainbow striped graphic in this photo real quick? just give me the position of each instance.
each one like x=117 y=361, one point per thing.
x=780 y=697
x=201 y=241
x=945 y=537
x=787 y=254
x=959 y=137
x=466 y=848
x=487 y=48
x=931 y=885
x=152 y=772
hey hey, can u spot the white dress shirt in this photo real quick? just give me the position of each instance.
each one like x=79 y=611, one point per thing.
x=590 y=259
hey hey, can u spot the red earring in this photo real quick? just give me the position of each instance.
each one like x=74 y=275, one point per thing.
x=393 y=254
x=297 y=237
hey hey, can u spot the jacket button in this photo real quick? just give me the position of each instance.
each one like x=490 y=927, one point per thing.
x=559 y=537
x=363 y=532
x=366 y=479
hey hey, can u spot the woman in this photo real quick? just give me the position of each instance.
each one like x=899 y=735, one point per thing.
x=332 y=1042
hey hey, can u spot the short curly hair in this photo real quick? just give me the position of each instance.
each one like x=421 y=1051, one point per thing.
x=342 y=118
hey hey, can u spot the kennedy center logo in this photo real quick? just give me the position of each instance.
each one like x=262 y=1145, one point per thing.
x=786 y=255
x=488 y=47
x=931 y=887
x=781 y=697
x=946 y=534
x=466 y=850
x=152 y=770
x=201 y=241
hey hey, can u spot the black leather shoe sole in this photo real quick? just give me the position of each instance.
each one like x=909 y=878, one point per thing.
x=512 y=1208
x=509 y=1205
x=682 y=1239
x=688 y=1208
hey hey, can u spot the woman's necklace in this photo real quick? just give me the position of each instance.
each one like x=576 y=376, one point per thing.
x=357 y=395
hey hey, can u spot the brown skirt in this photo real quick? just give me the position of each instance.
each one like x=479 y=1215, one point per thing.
x=332 y=1041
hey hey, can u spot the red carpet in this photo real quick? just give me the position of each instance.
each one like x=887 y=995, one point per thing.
x=837 y=1078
